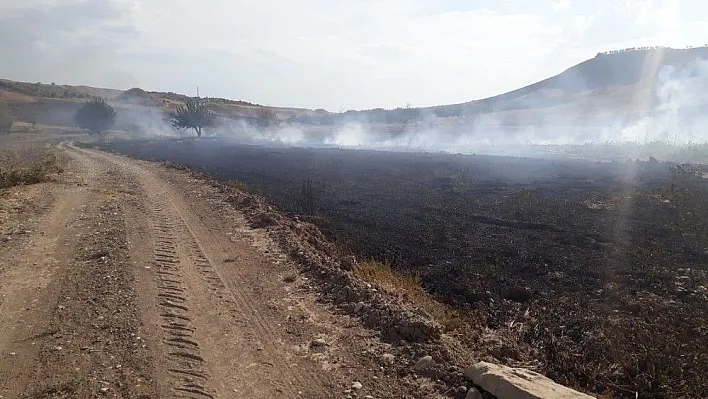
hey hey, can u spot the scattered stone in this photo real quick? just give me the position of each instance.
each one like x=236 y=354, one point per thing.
x=318 y=343
x=104 y=390
x=517 y=383
x=388 y=358
x=423 y=364
x=357 y=385
x=348 y=263
x=358 y=307
x=473 y=393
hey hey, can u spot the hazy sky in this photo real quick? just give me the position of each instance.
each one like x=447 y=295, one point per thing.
x=332 y=54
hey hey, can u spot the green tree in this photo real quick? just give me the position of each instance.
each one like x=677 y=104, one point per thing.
x=96 y=116
x=194 y=114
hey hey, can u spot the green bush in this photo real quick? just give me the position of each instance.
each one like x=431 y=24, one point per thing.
x=194 y=114
x=96 y=116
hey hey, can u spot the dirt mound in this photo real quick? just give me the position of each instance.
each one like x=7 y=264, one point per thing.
x=303 y=241
x=138 y=96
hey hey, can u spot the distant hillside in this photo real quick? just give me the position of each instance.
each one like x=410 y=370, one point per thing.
x=617 y=86
x=605 y=71
x=55 y=104
x=623 y=74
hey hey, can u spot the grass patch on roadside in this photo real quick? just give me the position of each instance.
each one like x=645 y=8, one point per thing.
x=409 y=286
x=29 y=164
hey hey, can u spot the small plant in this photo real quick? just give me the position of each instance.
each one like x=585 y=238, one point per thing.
x=194 y=114
x=96 y=116
x=237 y=184
x=409 y=286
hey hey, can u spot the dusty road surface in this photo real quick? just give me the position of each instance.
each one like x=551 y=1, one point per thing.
x=116 y=283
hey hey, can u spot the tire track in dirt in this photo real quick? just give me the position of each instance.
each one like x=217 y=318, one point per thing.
x=31 y=282
x=80 y=336
x=229 y=297
x=186 y=365
x=180 y=367
x=213 y=331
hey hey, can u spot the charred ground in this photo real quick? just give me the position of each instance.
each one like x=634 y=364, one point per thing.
x=597 y=269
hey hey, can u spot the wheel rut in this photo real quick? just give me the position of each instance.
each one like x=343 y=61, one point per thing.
x=215 y=340
x=186 y=365
x=229 y=299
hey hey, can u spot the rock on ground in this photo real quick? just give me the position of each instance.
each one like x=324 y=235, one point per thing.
x=473 y=393
x=517 y=383
x=424 y=363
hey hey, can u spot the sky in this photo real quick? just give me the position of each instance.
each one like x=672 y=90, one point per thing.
x=337 y=55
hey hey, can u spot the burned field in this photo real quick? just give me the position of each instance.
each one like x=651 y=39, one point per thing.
x=593 y=273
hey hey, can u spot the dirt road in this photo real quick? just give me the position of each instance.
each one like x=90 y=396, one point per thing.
x=116 y=283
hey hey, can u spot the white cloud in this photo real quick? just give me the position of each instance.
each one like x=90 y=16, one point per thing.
x=314 y=53
x=560 y=5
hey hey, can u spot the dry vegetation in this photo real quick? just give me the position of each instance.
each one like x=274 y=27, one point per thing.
x=591 y=273
x=28 y=164
x=408 y=285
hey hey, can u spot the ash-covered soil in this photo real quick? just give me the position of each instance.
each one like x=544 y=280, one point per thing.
x=595 y=272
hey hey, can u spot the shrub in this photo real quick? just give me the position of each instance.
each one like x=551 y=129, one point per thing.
x=409 y=286
x=29 y=165
x=96 y=116
x=194 y=114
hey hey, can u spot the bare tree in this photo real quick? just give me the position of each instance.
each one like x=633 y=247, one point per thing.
x=194 y=114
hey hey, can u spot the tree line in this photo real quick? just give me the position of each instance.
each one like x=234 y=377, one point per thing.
x=97 y=116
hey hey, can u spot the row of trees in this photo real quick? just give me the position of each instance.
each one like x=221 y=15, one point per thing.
x=376 y=115
x=630 y=49
x=98 y=116
x=42 y=90
x=645 y=48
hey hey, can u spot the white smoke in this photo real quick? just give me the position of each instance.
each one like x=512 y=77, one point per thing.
x=679 y=117
x=676 y=115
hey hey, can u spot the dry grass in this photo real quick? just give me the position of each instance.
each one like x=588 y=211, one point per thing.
x=290 y=278
x=409 y=287
x=238 y=185
x=28 y=164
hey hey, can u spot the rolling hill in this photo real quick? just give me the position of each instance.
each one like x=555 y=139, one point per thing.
x=619 y=82
x=622 y=85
